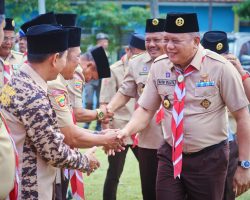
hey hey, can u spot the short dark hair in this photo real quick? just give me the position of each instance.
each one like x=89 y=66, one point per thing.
x=38 y=58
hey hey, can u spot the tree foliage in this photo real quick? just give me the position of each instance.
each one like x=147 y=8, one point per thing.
x=93 y=16
x=243 y=10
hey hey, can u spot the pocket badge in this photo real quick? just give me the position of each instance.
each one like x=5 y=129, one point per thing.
x=205 y=103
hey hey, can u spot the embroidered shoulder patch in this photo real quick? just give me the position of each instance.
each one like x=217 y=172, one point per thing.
x=7 y=93
x=61 y=100
x=78 y=84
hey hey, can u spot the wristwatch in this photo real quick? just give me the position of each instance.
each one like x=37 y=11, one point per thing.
x=244 y=164
x=100 y=114
x=245 y=76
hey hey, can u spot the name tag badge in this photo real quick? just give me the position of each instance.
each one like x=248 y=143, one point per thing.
x=166 y=82
x=205 y=84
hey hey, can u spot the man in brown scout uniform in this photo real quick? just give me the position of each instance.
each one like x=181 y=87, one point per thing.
x=217 y=41
x=10 y=60
x=196 y=167
x=132 y=87
x=121 y=116
x=32 y=120
x=7 y=155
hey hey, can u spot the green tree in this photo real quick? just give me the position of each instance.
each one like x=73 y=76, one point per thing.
x=243 y=10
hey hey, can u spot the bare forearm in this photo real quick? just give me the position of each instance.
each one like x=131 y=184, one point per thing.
x=118 y=101
x=139 y=121
x=84 y=115
x=81 y=138
x=243 y=134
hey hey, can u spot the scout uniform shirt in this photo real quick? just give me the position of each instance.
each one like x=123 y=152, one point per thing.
x=75 y=88
x=134 y=81
x=7 y=162
x=109 y=88
x=59 y=97
x=15 y=59
x=208 y=90
x=34 y=128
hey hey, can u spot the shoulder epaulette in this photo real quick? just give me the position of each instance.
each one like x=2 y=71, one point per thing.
x=137 y=55
x=116 y=64
x=215 y=56
x=162 y=57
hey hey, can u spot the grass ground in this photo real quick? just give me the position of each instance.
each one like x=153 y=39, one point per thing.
x=129 y=187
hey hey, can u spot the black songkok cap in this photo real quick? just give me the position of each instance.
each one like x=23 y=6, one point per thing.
x=74 y=39
x=181 y=23
x=46 y=39
x=9 y=24
x=215 y=41
x=2 y=7
x=101 y=61
x=47 y=18
x=66 y=19
x=155 y=25
x=137 y=41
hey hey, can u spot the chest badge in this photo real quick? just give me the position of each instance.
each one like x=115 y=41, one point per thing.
x=166 y=102
x=205 y=103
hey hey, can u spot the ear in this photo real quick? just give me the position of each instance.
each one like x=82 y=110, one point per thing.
x=54 y=59
x=197 y=42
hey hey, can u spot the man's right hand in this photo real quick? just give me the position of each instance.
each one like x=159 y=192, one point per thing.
x=111 y=140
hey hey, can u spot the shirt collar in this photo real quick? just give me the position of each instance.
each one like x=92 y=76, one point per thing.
x=34 y=76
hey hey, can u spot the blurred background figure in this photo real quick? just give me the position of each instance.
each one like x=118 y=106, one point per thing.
x=22 y=42
x=92 y=89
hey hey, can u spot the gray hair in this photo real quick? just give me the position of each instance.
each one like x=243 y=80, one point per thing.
x=195 y=34
x=88 y=56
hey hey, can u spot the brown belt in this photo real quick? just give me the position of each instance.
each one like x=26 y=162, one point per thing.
x=224 y=142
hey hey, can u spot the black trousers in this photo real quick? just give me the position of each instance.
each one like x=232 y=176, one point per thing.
x=61 y=189
x=203 y=174
x=116 y=164
x=148 y=163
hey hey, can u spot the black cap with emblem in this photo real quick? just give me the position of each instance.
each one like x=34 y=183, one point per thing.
x=215 y=41
x=9 y=24
x=74 y=36
x=181 y=23
x=47 y=18
x=155 y=25
x=46 y=39
x=66 y=19
x=101 y=61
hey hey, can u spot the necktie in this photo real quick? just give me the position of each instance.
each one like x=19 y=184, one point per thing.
x=177 y=119
x=7 y=72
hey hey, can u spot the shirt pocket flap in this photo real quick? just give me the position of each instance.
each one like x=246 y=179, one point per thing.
x=206 y=91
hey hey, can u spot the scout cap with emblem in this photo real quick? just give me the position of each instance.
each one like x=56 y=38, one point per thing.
x=215 y=41
x=101 y=61
x=66 y=19
x=155 y=25
x=47 y=18
x=74 y=39
x=181 y=23
x=46 y=39
x=9 y=24
x=137 y=41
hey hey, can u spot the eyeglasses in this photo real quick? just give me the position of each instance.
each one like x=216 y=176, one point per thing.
x=11 y=39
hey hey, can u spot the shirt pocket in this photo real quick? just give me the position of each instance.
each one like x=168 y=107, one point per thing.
x=166 y=92
x=207 y=98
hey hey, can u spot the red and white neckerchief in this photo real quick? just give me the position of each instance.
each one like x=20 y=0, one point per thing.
x=7 y=72
x=13 y=195
x=76 y=179
x=177 y=119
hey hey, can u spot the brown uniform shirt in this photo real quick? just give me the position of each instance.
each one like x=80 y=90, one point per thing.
x=133 y=84
x=109 y=88
x=60 y=100
x=75 y=88
x=15 y=59
x=34 y=128
x=7 y=162
x=204 y=123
